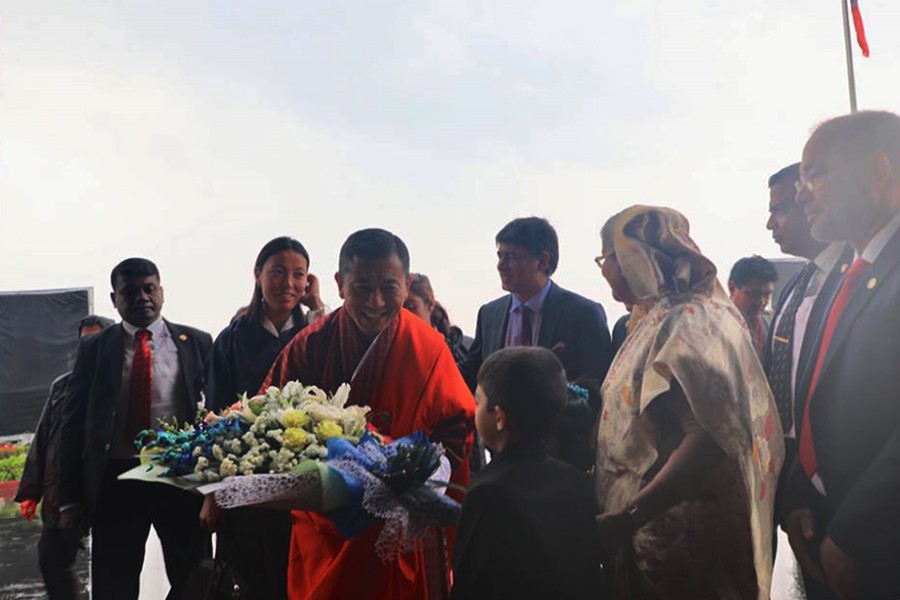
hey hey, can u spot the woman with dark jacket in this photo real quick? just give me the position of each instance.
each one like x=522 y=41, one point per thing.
x=422 y=303
x=256 y=541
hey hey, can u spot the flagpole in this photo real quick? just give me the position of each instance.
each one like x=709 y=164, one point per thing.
x=851 y=80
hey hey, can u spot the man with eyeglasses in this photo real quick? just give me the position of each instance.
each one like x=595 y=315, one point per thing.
x=842 y=497
x=799 y=307
x=538 y=312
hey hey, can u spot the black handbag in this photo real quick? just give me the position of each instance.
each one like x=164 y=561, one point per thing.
x=213 y=579
x=209 y=578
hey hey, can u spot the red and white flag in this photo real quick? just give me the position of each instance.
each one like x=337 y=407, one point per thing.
x=858 y=26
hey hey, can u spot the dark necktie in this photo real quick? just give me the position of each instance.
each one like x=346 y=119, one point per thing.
x=807 y=446
x=783 y=350
x=527 y=335
x=141 y=383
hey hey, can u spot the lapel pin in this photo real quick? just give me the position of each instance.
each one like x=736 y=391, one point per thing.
x=844 y=268
x=872 y=283
x=182 y=337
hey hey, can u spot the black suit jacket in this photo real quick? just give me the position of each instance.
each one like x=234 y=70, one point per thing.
x=571 y=325
x=855 y=419
x=38 y=481
x=89 y=411
x=527 y=531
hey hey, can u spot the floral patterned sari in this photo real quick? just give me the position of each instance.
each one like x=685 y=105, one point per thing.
x=716 y=544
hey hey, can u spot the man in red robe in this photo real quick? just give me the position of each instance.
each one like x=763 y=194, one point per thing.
x=400 y=367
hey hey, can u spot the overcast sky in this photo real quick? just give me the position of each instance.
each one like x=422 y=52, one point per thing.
x=193 y=132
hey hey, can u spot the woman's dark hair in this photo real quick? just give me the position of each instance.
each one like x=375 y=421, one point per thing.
x=421 y=287
x=273 y=247
x=529 y=384
x=571 y=437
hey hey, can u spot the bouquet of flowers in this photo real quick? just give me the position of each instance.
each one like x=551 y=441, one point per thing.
x=270 y=433
x=299 y=445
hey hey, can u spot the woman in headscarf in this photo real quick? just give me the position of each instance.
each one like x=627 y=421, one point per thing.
x=689 y=444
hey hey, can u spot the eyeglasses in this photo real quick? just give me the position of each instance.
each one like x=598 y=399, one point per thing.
x=603 y=258
x=811 y=183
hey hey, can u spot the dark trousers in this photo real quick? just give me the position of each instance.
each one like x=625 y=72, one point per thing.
x=121 y=523
x=56 y=558
x=257 y=542
x=790 y=454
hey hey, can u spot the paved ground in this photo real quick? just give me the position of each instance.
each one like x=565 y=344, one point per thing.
x=20 y=578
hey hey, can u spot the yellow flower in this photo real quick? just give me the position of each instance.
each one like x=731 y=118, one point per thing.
x=295 y=438
x=327 y=430
x=294 y=419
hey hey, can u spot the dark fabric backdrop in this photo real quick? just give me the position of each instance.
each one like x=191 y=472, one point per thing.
x=38 y=341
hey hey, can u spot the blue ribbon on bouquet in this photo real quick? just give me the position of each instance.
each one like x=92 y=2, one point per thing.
x=401 y=468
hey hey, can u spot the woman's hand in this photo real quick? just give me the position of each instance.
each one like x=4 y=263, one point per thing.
x=210 y=514
x=311 y=299
x=614 y=531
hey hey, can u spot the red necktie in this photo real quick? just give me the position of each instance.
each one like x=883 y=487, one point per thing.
x=141 y=383
x=807 y=447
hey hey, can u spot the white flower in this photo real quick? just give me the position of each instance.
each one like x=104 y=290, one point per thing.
x=228 y=467
x=315 y=394
x=202 y=464
x=341 y=396
x=217 y=452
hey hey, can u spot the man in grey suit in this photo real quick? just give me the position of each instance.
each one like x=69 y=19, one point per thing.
x=536 y=311
x=842 y=498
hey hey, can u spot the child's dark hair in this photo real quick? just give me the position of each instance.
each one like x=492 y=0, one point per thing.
x=529 y=384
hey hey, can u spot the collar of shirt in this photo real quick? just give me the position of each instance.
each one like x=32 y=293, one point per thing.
x=829 y=256
x=157 y=329
x=535 y=303
x=270 y=327
x=873 y=249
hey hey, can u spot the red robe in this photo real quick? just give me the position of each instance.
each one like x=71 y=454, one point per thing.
x=411 y=382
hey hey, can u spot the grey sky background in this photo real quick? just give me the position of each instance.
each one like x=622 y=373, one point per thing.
x=193 y=132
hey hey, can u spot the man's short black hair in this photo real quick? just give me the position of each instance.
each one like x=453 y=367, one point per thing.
x=534 y=233
x=133 y=267
x=789 y=173
x=372 y=244
x=94 y=320
x=752 y=267
x=529 y=384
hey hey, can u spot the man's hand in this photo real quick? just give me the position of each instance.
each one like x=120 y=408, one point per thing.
x=210 y=514
x=311 y=299
x=840 y=570
x=801 y=531
x=74 y=524
x=28 y=508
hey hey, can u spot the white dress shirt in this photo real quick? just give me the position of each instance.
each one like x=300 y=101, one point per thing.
x=824 y=262
x=167 y=392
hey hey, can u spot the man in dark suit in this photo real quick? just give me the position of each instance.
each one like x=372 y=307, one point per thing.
x=125 y=379
x=537 y=312
x=843 y=492
x=787 y=348
x=56 y=556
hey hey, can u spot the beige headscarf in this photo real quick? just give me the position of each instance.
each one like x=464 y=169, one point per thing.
x=657 y=255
